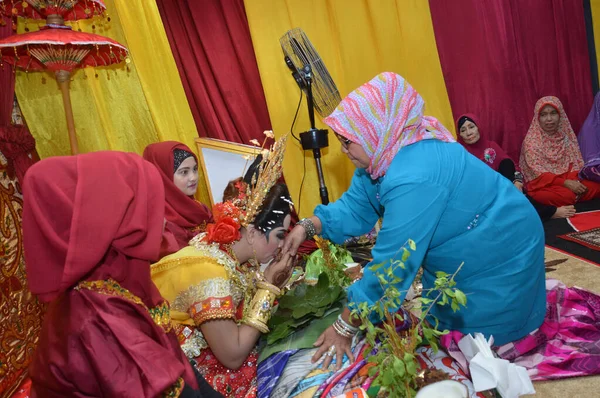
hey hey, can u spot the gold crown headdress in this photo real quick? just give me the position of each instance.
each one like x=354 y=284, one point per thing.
x=268 y=173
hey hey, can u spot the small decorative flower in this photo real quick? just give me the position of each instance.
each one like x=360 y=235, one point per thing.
x=489 y=155
x=269 y=134
x=255 y=142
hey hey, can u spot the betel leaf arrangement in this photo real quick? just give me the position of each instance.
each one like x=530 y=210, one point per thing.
x=401 y=327
x=321 y=294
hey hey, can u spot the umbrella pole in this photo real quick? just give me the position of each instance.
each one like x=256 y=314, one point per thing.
x=63 y=78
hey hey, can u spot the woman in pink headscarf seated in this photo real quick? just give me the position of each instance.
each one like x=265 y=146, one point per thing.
x=551 y=159
x=489 y=152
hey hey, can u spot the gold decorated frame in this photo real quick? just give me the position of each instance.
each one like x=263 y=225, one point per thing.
x=227 y=147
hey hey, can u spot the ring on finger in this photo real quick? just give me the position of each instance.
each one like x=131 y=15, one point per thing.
x=331 y=351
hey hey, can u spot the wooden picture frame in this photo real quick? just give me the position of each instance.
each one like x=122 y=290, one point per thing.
x=221 y=162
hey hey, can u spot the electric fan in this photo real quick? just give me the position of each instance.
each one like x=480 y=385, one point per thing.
x=322 y=95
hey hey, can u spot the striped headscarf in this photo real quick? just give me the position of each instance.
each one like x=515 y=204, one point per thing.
x=383 y=116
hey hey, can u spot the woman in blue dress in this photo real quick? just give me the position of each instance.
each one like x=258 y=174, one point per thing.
x=428 y=188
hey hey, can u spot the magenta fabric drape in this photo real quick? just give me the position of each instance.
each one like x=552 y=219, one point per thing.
x=500 y=56
x=214 y=54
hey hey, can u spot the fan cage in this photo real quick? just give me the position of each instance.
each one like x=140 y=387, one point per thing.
x=296 y=45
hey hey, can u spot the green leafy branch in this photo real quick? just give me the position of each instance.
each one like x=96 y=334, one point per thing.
x=396 y=368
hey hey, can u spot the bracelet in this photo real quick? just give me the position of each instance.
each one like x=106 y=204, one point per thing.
x=309 y=227
x=344 y=329
x=346 y=325
x=518 y=176
x=259 y=311
x=344 y=333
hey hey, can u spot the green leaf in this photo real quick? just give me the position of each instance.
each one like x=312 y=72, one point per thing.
x=399 y=367
x=387 y=378
x=449 y=292
x=412 y=245
x=441 y=274
x=460 y=297
x=376 y=267
x=411 y=367
x=454 y=305
x=373 y=371
x=405 y=254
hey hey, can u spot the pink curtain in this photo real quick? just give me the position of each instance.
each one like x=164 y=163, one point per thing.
x=500 y=56
x=213 y=50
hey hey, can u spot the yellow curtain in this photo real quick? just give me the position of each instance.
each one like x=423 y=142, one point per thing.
x=119 y=109
x=595 y=6
x=357 y=39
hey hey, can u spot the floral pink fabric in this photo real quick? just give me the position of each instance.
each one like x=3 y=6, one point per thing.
x=566 y=345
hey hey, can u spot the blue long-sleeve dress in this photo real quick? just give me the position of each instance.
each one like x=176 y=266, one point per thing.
x=457 y=210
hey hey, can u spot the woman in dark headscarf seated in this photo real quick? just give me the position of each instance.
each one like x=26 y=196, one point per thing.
x=186 y=217
x=470 y=136
x=551 y=160
x=90 y=234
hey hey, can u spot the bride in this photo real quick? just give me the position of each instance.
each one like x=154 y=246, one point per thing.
x=220 y=301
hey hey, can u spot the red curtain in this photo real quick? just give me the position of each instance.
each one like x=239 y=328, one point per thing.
x=16 y=143
x=500 y=56
x=213 y=49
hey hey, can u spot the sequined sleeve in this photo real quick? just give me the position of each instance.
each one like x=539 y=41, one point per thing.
x=197 y=283
x=209 y=299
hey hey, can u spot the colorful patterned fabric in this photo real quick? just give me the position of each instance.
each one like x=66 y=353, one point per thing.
x=567 y=343
x=543 y=153
x=291 y=374
x=270 y=371
x=383 y=116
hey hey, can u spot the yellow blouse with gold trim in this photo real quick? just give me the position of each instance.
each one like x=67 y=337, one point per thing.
x=202 y=283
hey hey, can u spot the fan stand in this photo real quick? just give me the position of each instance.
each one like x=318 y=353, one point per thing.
x=314 y=139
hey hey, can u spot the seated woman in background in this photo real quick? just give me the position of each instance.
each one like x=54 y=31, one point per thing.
x=220 y=300
x=185 y=216
x=589 y=143
x=470 y=136
x=551 y=160
x=90 y=234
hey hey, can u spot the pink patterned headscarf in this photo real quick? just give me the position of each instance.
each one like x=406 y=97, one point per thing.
x=383 y=116
x=542 y=153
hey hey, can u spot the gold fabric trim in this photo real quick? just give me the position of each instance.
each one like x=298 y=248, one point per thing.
x=159 y=314
x=175 y=390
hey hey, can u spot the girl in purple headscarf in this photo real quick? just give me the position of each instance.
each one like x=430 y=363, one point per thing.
x=589 y=143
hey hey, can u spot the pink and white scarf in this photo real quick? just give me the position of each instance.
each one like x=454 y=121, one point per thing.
x=383 y=116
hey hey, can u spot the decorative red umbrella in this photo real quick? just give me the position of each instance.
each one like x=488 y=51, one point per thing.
x=60 y=49
x=68 y=10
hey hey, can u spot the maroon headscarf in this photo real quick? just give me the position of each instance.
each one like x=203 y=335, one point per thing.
x=488 y=151
x=85 y=222
x=183 y=213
